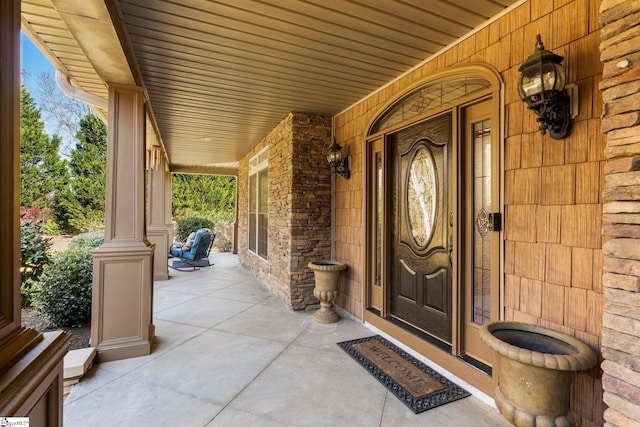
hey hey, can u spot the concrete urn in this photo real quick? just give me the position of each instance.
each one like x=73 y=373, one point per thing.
x=535 y=367
x=327 y=274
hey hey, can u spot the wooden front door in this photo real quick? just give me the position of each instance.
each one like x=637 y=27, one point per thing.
x=421 y=222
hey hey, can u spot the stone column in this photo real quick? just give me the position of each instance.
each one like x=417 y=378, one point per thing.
x=157 y=231
x=121 y=318
x=620 y=50
x=30 y=362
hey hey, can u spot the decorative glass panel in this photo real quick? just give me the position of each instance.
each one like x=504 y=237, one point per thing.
x=379 y=196
x=481 y=235
x=428 y=98
x=422 y=197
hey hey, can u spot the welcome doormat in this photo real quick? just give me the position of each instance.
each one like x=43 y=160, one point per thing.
x=414 y=383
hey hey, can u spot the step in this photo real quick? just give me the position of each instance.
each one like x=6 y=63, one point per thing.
x=77 y=363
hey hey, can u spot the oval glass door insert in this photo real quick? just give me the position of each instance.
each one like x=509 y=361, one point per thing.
x=422 y=197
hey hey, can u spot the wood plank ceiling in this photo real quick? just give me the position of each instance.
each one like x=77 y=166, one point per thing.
x=221 y=74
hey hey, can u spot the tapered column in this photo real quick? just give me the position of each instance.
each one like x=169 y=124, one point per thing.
x=30 y=362
x=121 y=318
x=157 y=231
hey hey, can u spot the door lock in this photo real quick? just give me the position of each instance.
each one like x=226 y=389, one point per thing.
x=495 y=221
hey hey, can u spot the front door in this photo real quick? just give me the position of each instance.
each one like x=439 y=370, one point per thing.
x=421 y=221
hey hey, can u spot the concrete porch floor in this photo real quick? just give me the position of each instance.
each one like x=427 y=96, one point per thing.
x=228 y=353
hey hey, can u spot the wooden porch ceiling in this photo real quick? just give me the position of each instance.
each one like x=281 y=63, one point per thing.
x=221 y=74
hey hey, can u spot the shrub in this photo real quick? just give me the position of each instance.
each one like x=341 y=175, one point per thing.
x=63 y=293
x=30 y=214
x=34 y=256
x=52 y=228
x=187 y=225
x=89 y=241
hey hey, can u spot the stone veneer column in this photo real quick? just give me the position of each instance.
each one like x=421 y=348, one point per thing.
x=121 y=318
x=157 y=230
x=30 y=362
x=620 y=53
x=299 y=208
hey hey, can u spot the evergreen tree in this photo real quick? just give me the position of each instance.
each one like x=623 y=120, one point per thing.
x=83 y=205
x=207 y=196
x=42 y=171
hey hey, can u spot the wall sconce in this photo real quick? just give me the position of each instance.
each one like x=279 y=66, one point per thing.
x=542 y=88
x=340 y=165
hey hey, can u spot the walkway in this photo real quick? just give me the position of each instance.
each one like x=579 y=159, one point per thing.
x=228 y=353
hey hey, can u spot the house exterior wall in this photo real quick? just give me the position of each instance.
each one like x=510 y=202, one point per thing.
x=620 y=51
x=552 y=188
x=299 y=208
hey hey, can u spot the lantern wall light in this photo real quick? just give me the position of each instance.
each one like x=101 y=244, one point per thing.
x=340 y=165
x=542 y=88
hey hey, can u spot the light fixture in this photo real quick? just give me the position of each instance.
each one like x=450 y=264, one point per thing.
x=542 y=88
x=340 y=165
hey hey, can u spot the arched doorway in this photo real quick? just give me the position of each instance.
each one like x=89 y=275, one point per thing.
x=434 y=210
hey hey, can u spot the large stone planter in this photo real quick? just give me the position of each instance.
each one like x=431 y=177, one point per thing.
x=326 y=275
x=535 y=367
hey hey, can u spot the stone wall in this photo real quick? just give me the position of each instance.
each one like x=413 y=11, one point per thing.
x=299 y=208
x=620 y=53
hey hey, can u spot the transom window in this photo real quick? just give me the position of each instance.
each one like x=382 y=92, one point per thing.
x=258 y=203
x=429 y=98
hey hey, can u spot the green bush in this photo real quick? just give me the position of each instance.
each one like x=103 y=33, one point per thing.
x=52 y=228
x=34 y=255
x=63 y=293
x=188 y=225
x=89 y=241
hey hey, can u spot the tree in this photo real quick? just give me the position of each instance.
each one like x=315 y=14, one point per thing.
x=60 y=112
x=83 y=205
x=212 y=197
x=209 y=197
x=42 y=171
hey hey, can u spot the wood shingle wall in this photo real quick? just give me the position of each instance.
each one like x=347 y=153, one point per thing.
x=552 y=188
x=620 y=53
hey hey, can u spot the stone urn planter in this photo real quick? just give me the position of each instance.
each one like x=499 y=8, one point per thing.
x=535 y=367
x=326 y=275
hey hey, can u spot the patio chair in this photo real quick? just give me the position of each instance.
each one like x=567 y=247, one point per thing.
x=194 y=252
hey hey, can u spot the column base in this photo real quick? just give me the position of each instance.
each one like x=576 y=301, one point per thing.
x=121 y=318
x=126 y=349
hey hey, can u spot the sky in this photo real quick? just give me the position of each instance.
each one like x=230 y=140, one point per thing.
x=33 y=62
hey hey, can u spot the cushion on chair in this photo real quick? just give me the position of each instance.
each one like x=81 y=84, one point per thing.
x=189 y=243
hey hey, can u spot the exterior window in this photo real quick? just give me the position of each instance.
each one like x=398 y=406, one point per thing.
x=429 y=98
x=258 y=203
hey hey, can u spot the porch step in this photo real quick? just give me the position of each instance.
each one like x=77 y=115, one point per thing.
x=76 y=363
